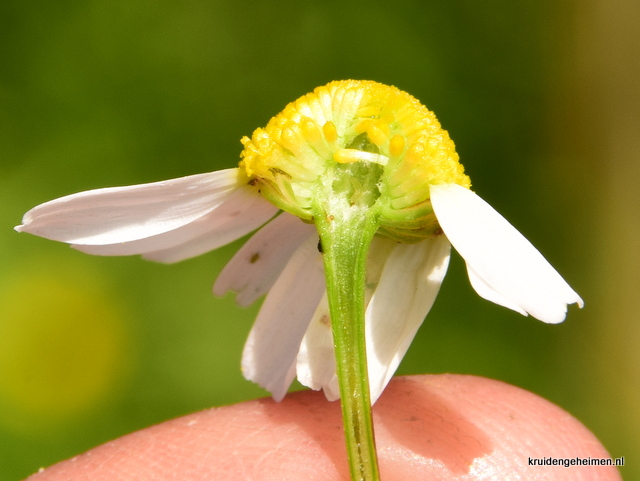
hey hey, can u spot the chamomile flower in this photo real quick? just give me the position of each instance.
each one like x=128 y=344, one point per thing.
x=423 y=197
x=358 y=195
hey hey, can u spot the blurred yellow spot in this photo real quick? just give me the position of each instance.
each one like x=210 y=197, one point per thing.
x=62 y=350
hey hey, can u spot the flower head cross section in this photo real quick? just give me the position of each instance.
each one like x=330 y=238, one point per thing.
x=350 y=151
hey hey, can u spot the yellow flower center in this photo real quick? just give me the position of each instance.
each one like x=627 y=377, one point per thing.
x=348 y=122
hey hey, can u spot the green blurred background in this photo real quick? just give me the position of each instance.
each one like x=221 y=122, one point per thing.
x=541 y=99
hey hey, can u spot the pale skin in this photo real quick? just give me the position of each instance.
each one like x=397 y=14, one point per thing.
x=432 y=427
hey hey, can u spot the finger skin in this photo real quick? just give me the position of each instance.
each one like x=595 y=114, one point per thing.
x=436 y=427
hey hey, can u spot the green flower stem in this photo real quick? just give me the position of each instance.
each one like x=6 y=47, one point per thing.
x=346 y=231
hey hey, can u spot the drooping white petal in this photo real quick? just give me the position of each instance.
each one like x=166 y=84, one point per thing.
x=269 y=356
x=316 y=363
x=379 y=251
x=408 y=286
x=123 y=214
x=240 y=212
x=487 y=292
x=244 y=212
x=256 y=266
x=504 y=267
x=316 y=366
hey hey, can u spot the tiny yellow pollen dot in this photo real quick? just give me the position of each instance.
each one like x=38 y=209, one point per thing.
x=376 y=135
x=290 y=137
x=415 y=154
x=310 y=130
x=330 y=132
x=396 y=146
x=364 y=125
x=377 y=131
x=369 y=111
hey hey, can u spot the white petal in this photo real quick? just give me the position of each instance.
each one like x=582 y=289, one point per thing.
x=487 y=292
x=256 y=266
x=316 y=363
x=316 y=366
x=244 y=212
x=123 y=214
x=379 y=251
x=269 y=356
x=410 y=281
x=504 y=266
x=214 y=225
x=205 y=224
